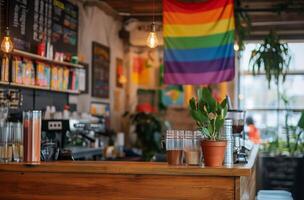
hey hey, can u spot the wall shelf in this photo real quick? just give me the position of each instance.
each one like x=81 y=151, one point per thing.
x=66 y=91
x=29 y=86
x=35 y=87
x=36 y=57
x=4 y=83
x=44 y=59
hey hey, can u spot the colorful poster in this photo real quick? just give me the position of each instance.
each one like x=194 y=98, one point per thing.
x=100 y=71
x=119 y=73
x=172 y=95
x=141 y=71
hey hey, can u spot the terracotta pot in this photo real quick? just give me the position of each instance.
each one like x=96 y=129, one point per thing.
x=213 y=152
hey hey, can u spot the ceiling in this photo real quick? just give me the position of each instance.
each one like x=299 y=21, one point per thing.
x=263 y=13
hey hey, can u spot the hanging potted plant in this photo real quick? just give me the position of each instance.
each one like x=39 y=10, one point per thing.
x=273 y=56
x=209 y=116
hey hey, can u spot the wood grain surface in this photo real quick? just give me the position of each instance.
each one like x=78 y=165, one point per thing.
x=48 y=186
x=149 y=168
x=125 y=180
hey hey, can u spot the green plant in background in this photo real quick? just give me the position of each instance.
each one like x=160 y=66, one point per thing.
x=293 y=133
x=299 y=137
x=242 y=26
x=273 y=56
x=208 y=113
x=294 y=143
x=148 y=129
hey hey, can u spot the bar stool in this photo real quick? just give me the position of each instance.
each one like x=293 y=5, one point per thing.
x=274 y=195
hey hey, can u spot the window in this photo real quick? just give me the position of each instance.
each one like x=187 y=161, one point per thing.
x=264 y=104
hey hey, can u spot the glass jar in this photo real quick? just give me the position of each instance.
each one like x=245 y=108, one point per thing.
x=174 y=147
x=192 y=148
x=6 y=150
x=32 y=136
x=16 y=131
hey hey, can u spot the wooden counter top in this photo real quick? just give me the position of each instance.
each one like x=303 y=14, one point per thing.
x=131 y=168
x=126 y=181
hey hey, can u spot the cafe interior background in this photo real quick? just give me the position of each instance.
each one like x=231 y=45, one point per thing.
x=108 y=76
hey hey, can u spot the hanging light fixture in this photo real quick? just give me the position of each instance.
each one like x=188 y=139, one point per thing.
x=236 y=46
x=7 y=44
x=152 y=40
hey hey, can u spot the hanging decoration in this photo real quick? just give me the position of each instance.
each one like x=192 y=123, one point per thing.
x=272 y=57
x=199 y=40
x=152 y=40
x=7 y=45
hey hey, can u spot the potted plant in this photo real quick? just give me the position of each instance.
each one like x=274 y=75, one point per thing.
x=273 y=56
x=209 y=116
x=148 y=129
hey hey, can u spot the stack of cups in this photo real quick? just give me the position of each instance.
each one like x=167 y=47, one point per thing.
x=227 y=135
x=11 y=142
x=174 y=147
x=192 y=148
x=6 y=150
x=17 y=141
x=32 y=136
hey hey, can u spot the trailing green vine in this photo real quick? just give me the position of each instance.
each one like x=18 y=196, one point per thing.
x=273 y=56
x=242 y=27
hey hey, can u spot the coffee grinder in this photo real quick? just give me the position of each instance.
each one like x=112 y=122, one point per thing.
x=238 y=119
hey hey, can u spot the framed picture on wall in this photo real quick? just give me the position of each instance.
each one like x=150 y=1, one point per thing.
x=84 y=78
x=172 y=96
x=100 y=109
x=119 y=73
x=100 y=71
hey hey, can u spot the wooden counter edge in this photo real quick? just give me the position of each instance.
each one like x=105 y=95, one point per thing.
x=131 y=168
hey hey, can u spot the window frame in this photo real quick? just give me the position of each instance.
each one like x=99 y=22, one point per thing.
x=240 y=73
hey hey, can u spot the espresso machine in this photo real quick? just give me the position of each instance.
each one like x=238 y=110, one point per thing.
x=69 y=139
x=239 y=150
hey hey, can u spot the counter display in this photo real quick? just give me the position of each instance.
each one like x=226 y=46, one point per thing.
x=126 y=180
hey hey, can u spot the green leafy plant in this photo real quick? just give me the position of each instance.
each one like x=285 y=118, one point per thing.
x=208 y=113
x=148 y=129
x=273 y=56
x=242 y=26
x=293 y=145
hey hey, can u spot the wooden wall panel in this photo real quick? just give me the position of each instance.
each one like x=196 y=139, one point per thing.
x=245 y=186
x=51 y=186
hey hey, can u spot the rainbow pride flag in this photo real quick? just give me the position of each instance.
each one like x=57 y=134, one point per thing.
x=199 y=40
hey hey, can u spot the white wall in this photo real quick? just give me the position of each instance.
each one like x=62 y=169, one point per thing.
x=139 y=32
x=95 y=25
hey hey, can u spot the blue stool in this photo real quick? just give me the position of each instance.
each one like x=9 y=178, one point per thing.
x=274 y=195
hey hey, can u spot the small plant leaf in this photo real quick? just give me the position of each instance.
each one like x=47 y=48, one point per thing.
x=192 y=104
x=219 y=122
x=224 y=103
x=207 y=96
x=301 y=121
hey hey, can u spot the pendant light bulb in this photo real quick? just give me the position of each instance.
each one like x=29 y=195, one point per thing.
x=236 y=46
x=152 y=40
x=7 y=44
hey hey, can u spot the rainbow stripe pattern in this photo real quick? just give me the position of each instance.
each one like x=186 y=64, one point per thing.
x=198 y=40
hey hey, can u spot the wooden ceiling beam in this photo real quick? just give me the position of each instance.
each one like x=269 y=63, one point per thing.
x=282 y=37
x=104 y=7
x=263 y=15
x=280 y=32
x=276 y=17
